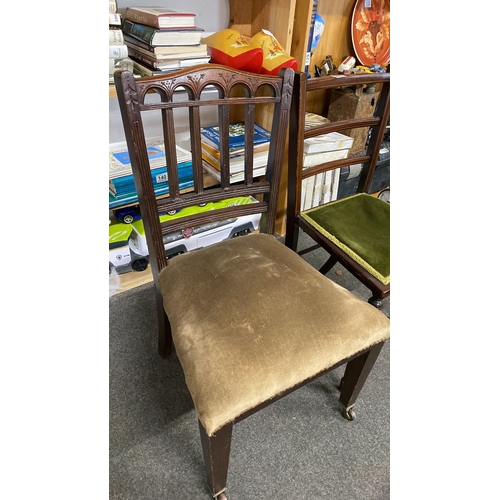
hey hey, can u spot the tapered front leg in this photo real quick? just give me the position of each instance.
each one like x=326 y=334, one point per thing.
x=356 y=373
x=216 y=451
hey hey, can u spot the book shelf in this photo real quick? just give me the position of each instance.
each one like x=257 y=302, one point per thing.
x=289 y=21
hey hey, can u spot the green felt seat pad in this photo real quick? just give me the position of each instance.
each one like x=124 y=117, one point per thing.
x=360 y=226
x=250 y=318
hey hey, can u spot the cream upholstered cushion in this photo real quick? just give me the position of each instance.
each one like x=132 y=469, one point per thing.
x=250 y=318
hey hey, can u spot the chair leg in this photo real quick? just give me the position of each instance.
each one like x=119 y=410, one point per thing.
x=328 y=264
x=356 y=373
x=292 y=236
x=216 y=450
x=164 y=330
x=375 y=301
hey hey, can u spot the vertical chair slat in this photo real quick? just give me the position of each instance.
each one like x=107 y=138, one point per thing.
x=170 y=153
x=224 y=144
x=195 y=131
x=249 y=133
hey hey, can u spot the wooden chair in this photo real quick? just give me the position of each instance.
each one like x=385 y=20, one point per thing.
x=250 y=320
x=355 y=231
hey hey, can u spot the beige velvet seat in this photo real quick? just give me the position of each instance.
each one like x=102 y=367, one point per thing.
x=250 y=320
x=239 y=349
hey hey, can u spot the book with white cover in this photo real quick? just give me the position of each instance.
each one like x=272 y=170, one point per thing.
x=119 y=158
x=307 y=193
x=324 y=142
x=327 y=142
x=236 y=177
x=310 y=160
x=318 y=189
x=327 y=187
x=335 y=184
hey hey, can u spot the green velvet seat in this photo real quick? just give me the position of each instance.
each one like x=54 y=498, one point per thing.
x=360 y=226
x=238 y=347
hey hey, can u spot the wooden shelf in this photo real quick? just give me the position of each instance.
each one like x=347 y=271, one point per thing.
x=289 y=21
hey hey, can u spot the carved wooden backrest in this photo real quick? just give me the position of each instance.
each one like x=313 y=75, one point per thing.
x=245 y=91
x=377 y=122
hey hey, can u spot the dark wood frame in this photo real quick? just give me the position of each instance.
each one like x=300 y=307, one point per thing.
x=131 y=95
x=296 y=174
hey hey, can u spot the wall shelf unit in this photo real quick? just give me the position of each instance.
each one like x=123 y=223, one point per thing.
x=289 y=21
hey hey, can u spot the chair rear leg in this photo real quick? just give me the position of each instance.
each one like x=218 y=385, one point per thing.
x=328 y=264
x=216 y=450
x=375 y=301
x=164 y=330
x=356 y=373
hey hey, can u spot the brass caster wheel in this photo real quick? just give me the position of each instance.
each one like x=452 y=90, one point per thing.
x=349 y=414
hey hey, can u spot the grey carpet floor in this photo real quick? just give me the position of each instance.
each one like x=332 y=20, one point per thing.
x=298 y=448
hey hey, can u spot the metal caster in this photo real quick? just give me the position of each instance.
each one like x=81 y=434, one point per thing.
x=349 y=414
x=374 y=301
x=221 y=496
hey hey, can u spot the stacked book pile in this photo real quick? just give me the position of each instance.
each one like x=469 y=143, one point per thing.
x=121 y=180
x=118 y=51
x=322 y=188
x=210 y=150
x=161 y=40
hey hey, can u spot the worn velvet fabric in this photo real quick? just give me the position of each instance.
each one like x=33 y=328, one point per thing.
x=360 y=226
x=250 y=318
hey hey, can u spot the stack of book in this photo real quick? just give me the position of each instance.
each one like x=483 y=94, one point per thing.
x=322 y=188
x=121 y=180
x=210 y=150
x=118 y=51
x=161 y=40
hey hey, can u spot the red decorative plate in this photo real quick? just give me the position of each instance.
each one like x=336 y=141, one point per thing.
x=370 y=31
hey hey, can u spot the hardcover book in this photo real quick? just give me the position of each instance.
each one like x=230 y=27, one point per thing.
x=258 y=148
x=115 y=20
x=141 y=70
x=116 y=36
x=210 y=135
x=118 y=51
x=177 y=53
x=164 y=36
x=159 y=50
x=154 y=63
x=160 y=17
x=327 y=142
x=311 y=35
